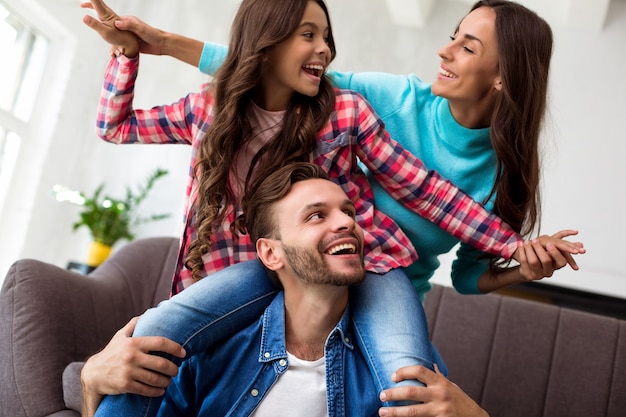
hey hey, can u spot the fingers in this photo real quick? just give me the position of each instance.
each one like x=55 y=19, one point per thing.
x=562 y=258
x=406 y=411
x=565 y=233
x=565 y=246
x=104 y=25
x=535 y=262
x=421 y=373
x=405 y=393
x=148 y=344
x=99 y=6
x=145 y=390
x=129 y=328
x=542 y=256
x=542 y=262
x=96 y=25
x=559 y=259
x=130 y=23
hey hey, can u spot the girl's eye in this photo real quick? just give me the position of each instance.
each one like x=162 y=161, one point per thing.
x=308 y=35
x=468 y=49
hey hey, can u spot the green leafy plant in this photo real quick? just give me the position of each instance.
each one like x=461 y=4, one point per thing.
x=107 y=218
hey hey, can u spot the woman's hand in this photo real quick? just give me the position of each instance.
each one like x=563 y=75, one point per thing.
x=439 y=398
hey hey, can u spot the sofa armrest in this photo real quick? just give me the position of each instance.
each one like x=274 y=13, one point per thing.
x=52 y=317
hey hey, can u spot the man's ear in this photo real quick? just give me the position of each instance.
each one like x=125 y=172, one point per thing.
x=270 y=252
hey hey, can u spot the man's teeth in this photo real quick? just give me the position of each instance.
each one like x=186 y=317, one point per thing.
x=344 y=247
x=446 y=73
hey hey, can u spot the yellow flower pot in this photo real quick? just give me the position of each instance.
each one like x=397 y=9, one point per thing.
x=98 y=253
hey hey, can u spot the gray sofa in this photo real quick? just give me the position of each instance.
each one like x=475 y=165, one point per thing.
x=516 y=357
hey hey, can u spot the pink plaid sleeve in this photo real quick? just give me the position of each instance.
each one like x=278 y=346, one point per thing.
x=424 y=191
x=117 y=122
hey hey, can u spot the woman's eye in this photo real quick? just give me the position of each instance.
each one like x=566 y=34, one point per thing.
x=468 y=49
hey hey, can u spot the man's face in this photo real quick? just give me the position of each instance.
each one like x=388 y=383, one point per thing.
x=320 y=239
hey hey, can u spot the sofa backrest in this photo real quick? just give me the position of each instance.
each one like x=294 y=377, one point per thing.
x=519 y=357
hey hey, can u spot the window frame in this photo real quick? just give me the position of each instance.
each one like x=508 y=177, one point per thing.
x=20 y=187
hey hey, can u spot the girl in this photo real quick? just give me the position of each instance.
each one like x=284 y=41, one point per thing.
x=271 y=104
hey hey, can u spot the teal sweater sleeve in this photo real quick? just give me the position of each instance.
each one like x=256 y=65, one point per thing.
x=213 y=56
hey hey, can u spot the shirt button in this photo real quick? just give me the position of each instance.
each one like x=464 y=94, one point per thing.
x=266 y=354
x=254 y=392
x=347 y=340
x=282 y=362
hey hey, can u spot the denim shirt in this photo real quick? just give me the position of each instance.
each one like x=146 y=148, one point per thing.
x=232 y=378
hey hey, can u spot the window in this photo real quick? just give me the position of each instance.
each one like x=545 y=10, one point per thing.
x=24 y=51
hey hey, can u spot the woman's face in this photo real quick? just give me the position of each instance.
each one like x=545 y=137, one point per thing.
x=298 y=63
x=469 y=62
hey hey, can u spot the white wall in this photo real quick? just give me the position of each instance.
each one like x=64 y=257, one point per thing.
x=584 y=146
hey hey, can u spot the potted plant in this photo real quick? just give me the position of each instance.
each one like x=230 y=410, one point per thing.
x=109 y=219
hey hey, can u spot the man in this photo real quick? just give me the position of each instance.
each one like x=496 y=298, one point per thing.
x=299 y=358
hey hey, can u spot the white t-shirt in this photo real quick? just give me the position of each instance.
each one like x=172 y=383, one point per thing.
x=300 y=391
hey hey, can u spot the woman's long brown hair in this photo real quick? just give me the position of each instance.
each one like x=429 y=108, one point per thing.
x=258 y=26
x=525 y=49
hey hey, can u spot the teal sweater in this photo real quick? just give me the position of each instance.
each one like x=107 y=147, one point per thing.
x=422 y=123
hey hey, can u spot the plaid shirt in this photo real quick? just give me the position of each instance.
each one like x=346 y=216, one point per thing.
x=354 y=132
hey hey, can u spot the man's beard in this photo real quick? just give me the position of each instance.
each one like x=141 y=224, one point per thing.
x=313 y=268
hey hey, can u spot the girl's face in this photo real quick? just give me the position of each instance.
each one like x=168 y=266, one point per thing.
x=469 y=67
x=298 y=63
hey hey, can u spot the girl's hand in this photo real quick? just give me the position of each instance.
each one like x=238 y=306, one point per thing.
x=122 y=42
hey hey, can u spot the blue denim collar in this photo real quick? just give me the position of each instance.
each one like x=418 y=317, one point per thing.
x=273 y=347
